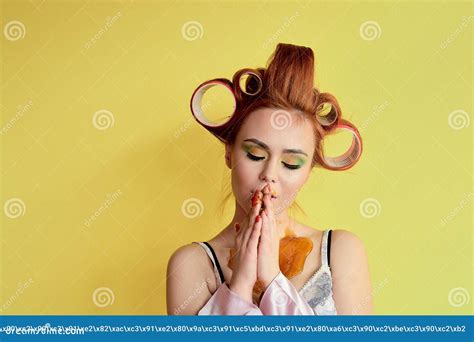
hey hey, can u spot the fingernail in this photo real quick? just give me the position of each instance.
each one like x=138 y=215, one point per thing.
x=258 y=218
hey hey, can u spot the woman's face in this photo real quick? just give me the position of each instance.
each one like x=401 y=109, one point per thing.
x=274 y=145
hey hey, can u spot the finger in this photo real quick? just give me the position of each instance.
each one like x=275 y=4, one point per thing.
x=265 y=226
x=266 y=189
x=267 y=201
x=256 y=205
x=250 y=230
x=265 y=219
x=255 y=235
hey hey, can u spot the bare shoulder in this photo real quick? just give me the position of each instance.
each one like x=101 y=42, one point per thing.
x=187 y=277
x=346 y=249
x=185 y=251
x=350 y=272
x=344 y=240
x=189 y=256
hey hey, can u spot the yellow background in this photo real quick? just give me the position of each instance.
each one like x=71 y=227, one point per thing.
x=400 y=89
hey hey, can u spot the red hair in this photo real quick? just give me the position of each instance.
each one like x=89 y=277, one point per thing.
x=287 y=83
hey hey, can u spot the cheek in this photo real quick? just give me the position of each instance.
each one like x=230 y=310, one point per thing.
x=293 y=179
x=290 y=185
x=244 y=177
x=245 y=171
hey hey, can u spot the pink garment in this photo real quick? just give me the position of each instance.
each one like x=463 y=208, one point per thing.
x=280 y=298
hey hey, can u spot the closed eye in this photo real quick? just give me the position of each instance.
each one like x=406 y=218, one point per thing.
x=288 y=166
x=251 y=156
x=291 y=167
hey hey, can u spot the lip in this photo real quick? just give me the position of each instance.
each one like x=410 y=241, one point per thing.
x=274 y=196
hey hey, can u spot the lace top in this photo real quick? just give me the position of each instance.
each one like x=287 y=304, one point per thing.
x=280 y=297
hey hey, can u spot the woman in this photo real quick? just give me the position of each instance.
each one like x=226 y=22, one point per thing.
x=265 y=262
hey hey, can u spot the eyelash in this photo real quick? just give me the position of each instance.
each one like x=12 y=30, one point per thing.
x=288 y=166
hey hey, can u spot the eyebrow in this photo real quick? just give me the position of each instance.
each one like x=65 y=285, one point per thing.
x=265 y=146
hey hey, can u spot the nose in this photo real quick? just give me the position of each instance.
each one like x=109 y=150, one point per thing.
x=267 y=179
x=268 y=174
